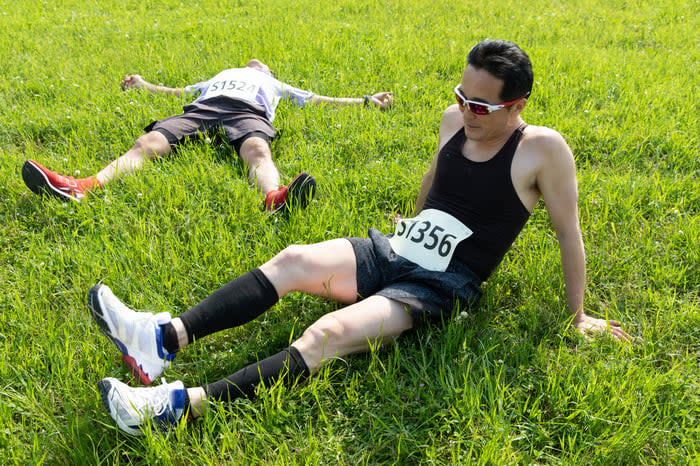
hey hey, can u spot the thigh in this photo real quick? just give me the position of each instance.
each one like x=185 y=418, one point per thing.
x=238 y=126
x=325 y=269
x=179 y=127
x=371 y=322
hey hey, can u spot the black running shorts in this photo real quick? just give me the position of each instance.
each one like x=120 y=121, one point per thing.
x=426 y=293
x=237 y=119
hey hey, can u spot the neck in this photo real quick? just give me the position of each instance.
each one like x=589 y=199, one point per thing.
x=500 y=138
x=483 y=149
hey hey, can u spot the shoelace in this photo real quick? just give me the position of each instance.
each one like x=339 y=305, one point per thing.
x=156 y=402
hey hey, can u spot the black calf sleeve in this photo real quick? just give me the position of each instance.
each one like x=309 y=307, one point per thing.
x=237 y=302
x=287 y=363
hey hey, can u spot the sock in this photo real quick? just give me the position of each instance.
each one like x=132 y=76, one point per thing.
x=287 y=363
x=237 y=302
x=170 y=340
x=187 y=402
x=89 y=183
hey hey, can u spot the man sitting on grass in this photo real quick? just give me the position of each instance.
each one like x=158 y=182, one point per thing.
x=486 y=178
x=242 y=102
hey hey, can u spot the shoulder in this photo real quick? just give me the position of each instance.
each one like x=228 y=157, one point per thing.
x=549 y=163
x=547 y=145
x=451 y=116
x=543 y=139
x=450 y=122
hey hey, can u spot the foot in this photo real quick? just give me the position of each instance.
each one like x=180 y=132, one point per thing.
x=138 y=335
x=43 y=181
x=296 y=195
x=147 y=407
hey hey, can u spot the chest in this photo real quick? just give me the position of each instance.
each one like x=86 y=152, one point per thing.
x=489 y=181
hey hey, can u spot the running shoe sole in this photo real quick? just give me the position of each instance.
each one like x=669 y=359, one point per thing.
x=300 y=192
x=37 y=181
x=98 y=317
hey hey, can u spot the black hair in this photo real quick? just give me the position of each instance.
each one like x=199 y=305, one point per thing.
x=507 y=62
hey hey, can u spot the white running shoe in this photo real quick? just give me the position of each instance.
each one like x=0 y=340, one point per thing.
x=138 y=335
x=135 y=408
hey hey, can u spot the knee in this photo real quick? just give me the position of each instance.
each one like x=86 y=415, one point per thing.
x=324 y=335
x=152 y=143
x=255 y=151
x=292 y=257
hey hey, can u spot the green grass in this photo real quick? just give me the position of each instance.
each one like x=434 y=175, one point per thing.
x=511 y=383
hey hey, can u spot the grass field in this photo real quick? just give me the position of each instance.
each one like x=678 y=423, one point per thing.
x=511 y=383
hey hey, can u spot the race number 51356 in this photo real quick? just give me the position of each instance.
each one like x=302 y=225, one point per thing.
x=429 y=239
x=431 y=236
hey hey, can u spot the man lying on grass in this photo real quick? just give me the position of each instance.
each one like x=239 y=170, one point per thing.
x=488 y=174
x=239 y=101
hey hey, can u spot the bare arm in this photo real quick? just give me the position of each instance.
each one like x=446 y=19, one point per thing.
x=425 y=185
x=382 y=100
x=451 y=122
x=557 y=183
x=137 y=82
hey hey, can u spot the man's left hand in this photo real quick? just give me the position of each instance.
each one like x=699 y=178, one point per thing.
x=586 y=325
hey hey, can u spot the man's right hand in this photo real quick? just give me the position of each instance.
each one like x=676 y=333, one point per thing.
x=587 y=325
x=133 y=81
x=382 y=100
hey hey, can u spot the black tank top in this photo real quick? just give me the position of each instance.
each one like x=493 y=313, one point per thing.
x=482 y=196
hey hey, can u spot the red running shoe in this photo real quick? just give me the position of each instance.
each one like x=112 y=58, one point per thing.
x=43 y=181
x=296 y=195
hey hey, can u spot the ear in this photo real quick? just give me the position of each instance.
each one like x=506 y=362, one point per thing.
x=517 y=109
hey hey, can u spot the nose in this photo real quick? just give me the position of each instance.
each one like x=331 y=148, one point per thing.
x=466 y=113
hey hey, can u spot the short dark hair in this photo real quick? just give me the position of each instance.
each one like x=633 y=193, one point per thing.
x=507 y=62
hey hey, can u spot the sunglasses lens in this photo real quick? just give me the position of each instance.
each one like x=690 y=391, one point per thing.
x=478 y=109
x=474 y=107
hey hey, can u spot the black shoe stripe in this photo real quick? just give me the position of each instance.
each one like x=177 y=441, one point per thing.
x=104 y=387
x=37 y=181
x=96 y=310
x=300 y=192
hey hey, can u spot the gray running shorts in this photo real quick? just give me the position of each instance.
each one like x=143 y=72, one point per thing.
x=427 y=294
x=237 y=119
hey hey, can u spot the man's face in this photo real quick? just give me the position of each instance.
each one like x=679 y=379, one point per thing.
x=255 y=63
x=479 y=85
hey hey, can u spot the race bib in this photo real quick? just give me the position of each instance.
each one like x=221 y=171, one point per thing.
x=430 y=239
x=241 y=89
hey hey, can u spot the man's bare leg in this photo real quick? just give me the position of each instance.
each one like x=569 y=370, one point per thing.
x=354 y=329
x=325 y=269
x=41 y=180
x=148 y=146
x=262 y=172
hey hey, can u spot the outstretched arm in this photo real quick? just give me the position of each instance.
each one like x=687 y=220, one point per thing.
x=382 y=100
x=557 y=183
x=135 y=81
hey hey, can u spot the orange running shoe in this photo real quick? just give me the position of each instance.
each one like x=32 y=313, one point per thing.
x=43 y=181
x=296 y=195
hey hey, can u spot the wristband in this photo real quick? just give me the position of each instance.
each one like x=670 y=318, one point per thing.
x=366 y=99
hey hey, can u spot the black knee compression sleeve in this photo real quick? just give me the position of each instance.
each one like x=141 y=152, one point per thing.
x=237 y=302
x=288 y=364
